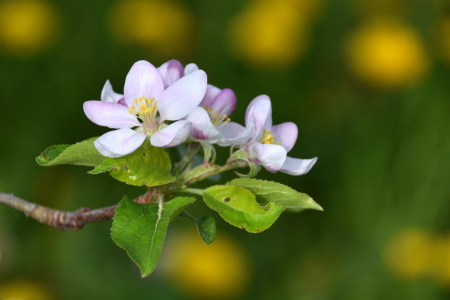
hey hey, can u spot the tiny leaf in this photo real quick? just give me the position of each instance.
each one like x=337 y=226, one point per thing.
x=140 y=229
x=238 y=206
x=206 y=226
x=148 y=165
x=83 y=153
x=269 y=191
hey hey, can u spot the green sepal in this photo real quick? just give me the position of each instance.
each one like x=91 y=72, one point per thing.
x=206 y=226
x=209 y=151
x=148 y=165
x=238 y=206
x=269 y=191
x=140 y=229
x=83 y=154
x=242 y=155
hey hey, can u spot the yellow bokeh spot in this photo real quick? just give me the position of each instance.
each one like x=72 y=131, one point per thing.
x=409 y=254
x=386 y=54
x=217 y=271
x=443 y=39
x=27 y=26
x=269 y=34
x=162 y=26
x=441 y=260
x=23 y=290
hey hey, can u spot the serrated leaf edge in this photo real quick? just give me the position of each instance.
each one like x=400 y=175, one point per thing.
x=284 y=193
x=46 y=158
x=69 y=145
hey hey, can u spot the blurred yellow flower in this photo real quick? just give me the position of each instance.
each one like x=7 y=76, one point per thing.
x=23 y=290
x=441 y=260
x=269 y=34
x=409 y=254
x=386 y=54
x=27 y=26
x=443 y=39
x=161 y=26
x=216 y=271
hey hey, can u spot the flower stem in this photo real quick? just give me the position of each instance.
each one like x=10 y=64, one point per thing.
x=232 y=165
x=192 y=150
x=192 y=191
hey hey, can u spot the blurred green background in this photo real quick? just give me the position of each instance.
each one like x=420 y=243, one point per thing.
x=366 y=81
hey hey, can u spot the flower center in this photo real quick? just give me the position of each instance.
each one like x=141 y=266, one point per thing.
x=216 y=118
x=145 y=109
x=268 y=138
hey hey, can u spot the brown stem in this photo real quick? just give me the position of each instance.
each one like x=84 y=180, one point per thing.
x=59 y=219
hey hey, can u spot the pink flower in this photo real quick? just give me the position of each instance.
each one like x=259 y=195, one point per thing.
x=212 y=114
x=147 y=106
x=265 y=144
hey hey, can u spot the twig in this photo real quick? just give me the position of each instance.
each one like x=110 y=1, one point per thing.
x=59 y=219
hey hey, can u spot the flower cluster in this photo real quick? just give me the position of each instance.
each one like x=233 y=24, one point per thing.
x=172 y=104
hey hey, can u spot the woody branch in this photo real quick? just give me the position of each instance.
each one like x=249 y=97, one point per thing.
x=63 y=220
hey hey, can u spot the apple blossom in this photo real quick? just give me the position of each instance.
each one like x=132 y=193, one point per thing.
x=148 y=105
x=209 y=117
x=266 y=144
x=212 y=114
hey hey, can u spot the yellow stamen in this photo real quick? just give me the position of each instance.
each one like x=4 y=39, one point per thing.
x=215 y=117
x=146 y=112
x=268 y=138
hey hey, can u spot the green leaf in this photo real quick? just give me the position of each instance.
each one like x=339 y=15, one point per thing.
x=147 y=165
x=198 y=171
x=274 y=192
x=83 y=153
x=206 y=226
x=140 y=229
x=238 y=206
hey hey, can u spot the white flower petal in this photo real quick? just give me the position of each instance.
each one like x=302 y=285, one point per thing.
x=270 y=156
x=182 y=97
x=112 y=115
x=119 y=142
x=297 y=166
x=257 y=114
x=202 y=128
x=171 y=71
x=234 y=134
x=286 y=134
x=232 y=130
x=108 y=95
x=143 y=79
x=172 y=135
x=190 y=68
